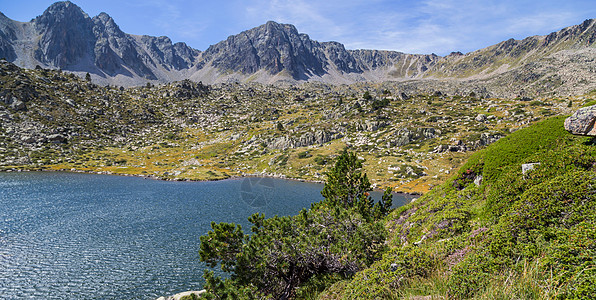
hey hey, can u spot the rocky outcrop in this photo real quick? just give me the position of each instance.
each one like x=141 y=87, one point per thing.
x=406 y=136
x=582 y=121
x=187 y=89
x=370 y=126
x=307 y=139
x=485 y=139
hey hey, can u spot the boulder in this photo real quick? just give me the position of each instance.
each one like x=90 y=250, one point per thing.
x=528 y=167
x=441 y=149
x=57 y=138
x=18 y=105
x=478 y=180
x=180 y=295
x=582 y=121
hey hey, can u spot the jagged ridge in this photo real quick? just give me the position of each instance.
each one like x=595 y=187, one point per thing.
x=66 y=37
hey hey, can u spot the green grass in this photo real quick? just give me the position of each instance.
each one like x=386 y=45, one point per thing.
x=515 y=236
x=516 y=148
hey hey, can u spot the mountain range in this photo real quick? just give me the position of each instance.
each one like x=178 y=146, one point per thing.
x=65 y=37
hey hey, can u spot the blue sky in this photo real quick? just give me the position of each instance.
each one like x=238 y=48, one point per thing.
x=432 y=26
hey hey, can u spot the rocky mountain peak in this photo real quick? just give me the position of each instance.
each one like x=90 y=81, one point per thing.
x=276 y=30
x=59 y=12
x=66 y=35
x=105 y=19
x=272 y=47
x=104 y=24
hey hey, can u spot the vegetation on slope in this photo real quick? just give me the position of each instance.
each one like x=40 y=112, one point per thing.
x=507 y=235
x=492 y=231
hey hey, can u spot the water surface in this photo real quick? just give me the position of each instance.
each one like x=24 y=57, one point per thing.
x=75 y=236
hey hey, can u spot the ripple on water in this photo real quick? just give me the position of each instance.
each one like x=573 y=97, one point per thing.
x=75 y=236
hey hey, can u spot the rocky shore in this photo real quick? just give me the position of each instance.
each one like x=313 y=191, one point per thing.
x=179 y=296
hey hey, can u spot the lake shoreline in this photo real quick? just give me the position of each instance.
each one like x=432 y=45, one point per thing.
x=154 y=177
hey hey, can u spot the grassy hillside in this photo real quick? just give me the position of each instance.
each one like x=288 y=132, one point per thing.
x=492 y=232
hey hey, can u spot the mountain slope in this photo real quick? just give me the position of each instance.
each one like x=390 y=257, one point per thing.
x=67 y=38
x=515 y=53
x=495 y=230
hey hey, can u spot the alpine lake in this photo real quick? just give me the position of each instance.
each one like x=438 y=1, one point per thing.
x=86 y=236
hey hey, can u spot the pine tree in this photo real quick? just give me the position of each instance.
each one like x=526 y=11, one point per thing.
x=346 y=184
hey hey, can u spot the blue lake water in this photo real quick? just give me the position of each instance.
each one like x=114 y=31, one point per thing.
x=75 y=236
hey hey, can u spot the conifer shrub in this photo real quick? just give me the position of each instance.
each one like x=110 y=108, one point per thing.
x=289 y=256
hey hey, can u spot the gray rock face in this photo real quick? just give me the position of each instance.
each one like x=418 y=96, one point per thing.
x=114 y=49
x=405 y=136
x=343 y=59
x=271 y=47
x=7 y=36
x=66 y=37
x=306 y=139
x=582 y=121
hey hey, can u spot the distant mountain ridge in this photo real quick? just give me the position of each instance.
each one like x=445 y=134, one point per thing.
x=65 y=37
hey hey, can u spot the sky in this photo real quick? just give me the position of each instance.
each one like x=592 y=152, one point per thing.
x=422 y=27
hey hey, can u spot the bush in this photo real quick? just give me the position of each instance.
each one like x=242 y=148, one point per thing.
x=395 y=268
x=304 y=154
x=336 y=237
x=469 y=276
x=320 y=160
